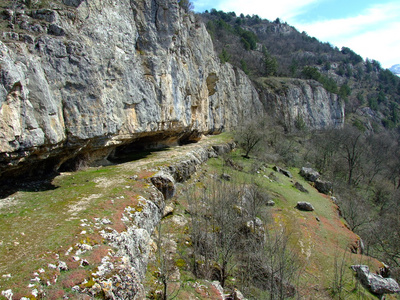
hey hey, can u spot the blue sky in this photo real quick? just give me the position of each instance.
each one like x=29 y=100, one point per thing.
x=369 y=27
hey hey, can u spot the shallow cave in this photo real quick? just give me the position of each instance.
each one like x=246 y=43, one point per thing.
x=144 y=146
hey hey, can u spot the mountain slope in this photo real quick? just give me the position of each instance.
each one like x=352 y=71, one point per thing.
x=264 y=48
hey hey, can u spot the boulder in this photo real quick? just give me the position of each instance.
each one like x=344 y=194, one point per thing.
x=226 y=177
x=270 y=203
x=324 y=187
x=283 y=171
x=375 y=283
x=309 y=174
x=305 y=206
x=301 y=188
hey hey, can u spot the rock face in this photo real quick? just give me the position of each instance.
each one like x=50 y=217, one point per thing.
x=101 y=74
x=301 y=103
x=376 y=283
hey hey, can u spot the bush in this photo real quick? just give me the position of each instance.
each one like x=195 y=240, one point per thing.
x=186 y=5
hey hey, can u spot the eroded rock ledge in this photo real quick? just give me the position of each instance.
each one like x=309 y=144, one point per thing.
x=123 y=280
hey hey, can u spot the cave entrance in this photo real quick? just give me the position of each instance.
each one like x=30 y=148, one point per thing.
x=143 y=147
x=138 y=149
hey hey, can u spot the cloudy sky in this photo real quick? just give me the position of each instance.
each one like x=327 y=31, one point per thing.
x=369 y=27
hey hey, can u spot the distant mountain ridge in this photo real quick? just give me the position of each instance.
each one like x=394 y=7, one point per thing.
x=395 y=69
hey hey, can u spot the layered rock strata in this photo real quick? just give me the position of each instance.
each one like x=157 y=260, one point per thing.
x=86 y=78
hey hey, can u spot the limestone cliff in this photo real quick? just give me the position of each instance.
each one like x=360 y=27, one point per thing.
x=301 y=103
x=81 y=78
x=106 y=73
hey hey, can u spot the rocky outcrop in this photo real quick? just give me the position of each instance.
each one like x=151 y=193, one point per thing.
x=301 y=103
x=100 y=74
x=376 y=283
x=133 y=246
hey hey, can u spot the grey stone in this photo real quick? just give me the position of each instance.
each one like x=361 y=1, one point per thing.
x=305 y=206
x=270 y=203
x=226 y=177
x=74 y=3
x=283 y=171
x=324 y=187
x=309 y=174
x=62 y=266
x=165 y=183
x=56 y=30
x=45 y=14
x=376 y=283
x=300 y=187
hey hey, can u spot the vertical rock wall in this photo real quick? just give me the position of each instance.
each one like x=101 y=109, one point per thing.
x=88 y=76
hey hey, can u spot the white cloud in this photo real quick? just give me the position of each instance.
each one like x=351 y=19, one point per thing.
x=372 y=34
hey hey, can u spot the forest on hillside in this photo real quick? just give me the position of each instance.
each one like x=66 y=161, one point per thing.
x=262 y=48
x=362 y=159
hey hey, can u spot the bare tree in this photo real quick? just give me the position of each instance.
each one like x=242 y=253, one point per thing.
x=352 y=148
x=249 y=135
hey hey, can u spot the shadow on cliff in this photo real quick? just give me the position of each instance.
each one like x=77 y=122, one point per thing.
x=128 y=155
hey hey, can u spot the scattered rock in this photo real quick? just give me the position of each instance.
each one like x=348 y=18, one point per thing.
x=270 y=203
x=106 y=221
x=283 y=171
x=305 y=206
x=76 y=288
x=376 y=283
x=229 y=162
x=8 y=294
x=62 y=266
x=226 y=177
x=96 y=289
x=309 y=174
x=236 y=295
x=273 y=177
x=219 y=289
x=324 y=187
x=168 y=210
x=258 y=223
x=84 y=263
x=301 y=188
